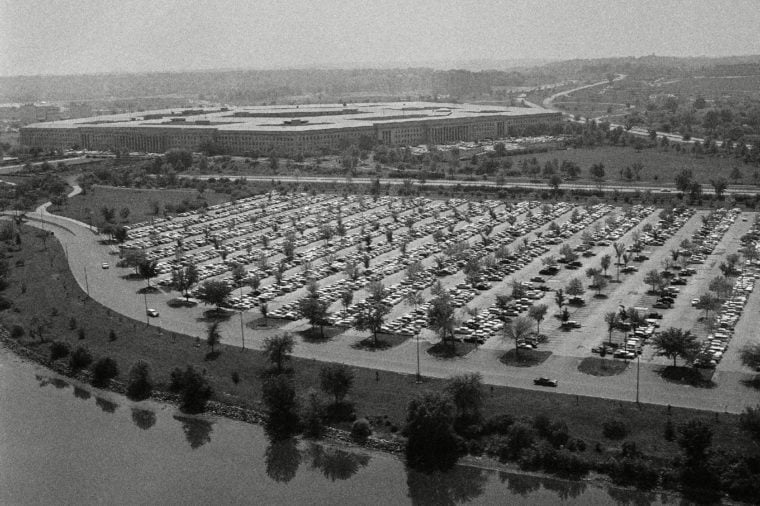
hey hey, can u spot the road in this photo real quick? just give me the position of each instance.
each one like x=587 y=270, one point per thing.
x=454 y=182
x=108 y=286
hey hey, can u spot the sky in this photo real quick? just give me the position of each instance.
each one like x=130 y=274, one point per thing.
x=93 y=36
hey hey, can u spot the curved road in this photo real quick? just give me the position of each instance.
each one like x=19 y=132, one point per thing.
x=108 y=287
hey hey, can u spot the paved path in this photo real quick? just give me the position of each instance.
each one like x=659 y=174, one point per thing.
x=109 y=287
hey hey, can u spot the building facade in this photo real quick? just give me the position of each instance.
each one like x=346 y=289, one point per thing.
x=267 y=131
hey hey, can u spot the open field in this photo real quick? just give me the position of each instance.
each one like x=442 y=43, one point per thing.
x=660 y=166
x=49 y=285
x=139 y=202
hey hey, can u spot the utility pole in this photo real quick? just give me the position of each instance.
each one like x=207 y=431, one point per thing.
x=242 y=332
x=638 y=363
x=419 y=377
x=86 y=283
x=147 y=316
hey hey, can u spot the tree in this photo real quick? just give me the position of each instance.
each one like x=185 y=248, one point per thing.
x=554 y=182
x=133 y=258
x=559 y=297
x=314 y=309
x=212 y=335
x=148 y=269
x=749 y=420
x=611 y=319
x=517 y=330
x=264 y=308
x=538 y=312
x=120 y=234
x=575 y=288
x=431 y=440
x=214 y=292
x=674 y=343
x=346 y=298
x=278 y=349
x=59 y=349
x=279 y=396
x=124 y=213
x=139 y=385
x=719 y=185
x=466 y=392
x=80 y=358
x=750 y=355
x=597 y=172
x=683 y=180
x=619 y=248
x=193 y=388
x=372 y=317
x=414 y=299
x=336 y=380
x=104 y=370
x=695 y=437
x=653 y=278
x=708 y=302
x=605 y=263
x=183 y=278
x=441 y=316
x=472 y=270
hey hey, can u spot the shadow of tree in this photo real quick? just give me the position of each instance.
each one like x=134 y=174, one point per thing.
x=197 y=430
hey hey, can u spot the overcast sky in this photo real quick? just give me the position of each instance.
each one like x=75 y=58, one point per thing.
x=85 y=36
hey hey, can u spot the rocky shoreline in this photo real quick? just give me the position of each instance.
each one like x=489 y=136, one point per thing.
x=214 y=408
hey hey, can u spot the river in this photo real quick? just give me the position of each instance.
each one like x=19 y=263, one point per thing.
x=61 y=443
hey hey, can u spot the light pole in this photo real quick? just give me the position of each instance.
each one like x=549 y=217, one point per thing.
x=419 y=377
x=86 y=283
x=147 y=316
x=638 y=363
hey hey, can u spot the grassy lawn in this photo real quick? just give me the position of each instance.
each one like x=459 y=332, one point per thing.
x=660 y=167
x=44 y=293
x=138 y=201
x=596 y=366
x=524 y=358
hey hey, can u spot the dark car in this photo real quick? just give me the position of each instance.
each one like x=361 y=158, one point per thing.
x=545 y=382
x=538 y=279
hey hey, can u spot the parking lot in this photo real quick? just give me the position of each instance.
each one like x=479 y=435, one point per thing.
x=513 y=243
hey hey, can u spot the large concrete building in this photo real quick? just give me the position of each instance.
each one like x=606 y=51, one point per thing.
x=286 y=130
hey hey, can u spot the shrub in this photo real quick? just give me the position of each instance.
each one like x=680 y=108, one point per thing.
x=80 y=358
x=498 y=424
x=139 y=386
x=235 y=377
x=5 y=304
x=111 y=335
x=520 y=437
x=576 y=445
x=104 y=370
x=80 y=333
x=59 y=349
x=176 y=380
x=312 y=415
x=670 y=431
x=634 y=471
x=749 y=420
x=17 y=331
x=195 y=391
x=361 y=430
x=72 y=323
x=614 y=429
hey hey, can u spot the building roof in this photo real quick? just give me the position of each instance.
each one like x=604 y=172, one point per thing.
x=284 y=118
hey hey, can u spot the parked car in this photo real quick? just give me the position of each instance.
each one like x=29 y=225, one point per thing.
x=545 y=382
x=152 y=312
x=105 y=265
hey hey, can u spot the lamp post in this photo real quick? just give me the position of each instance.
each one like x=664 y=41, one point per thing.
x=419 y=377
x=147 y=316
x=86 y=282
x=638 y=363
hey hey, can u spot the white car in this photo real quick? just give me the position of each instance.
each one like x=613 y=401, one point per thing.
x=105 y=265
x=152 y=312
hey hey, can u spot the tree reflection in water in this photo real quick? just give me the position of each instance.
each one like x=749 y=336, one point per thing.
x=143 y=418
x=282 y=459
x=47 y=380
x=565 y=489
x=81 y=393
x=624 y=497
x=106 y=405
x=336 y=464
x=520 y=484
x=197 y=430
x=440 y=488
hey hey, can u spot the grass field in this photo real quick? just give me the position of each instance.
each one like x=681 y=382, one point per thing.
x=138 y=201
x=660 y=167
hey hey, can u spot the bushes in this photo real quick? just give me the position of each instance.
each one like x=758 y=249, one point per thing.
x=498 y=424
x=543 y=456
x=633 y=470
x=139 y=386
x=59 y=349
x=80 y=359
x=193 y=388
x=312 y=415
x=104 y=370
x=282 y=407
x=360 y=429
x=614 y=429
x=17 y=331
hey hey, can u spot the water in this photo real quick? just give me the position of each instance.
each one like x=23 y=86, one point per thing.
x=62 y=444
